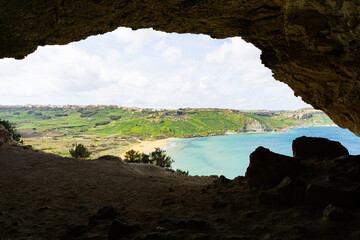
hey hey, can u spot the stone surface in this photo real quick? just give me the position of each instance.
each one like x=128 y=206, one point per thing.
x=288 y=192
x=253 y=125
x=334 y=213
x=267 y=169
x=121 y=229
x=339 y=195
x=310 y=45
x=307 y=147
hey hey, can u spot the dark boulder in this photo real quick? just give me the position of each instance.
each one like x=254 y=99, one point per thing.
x=289 y=192
x=335 y=214
x=267 y=169
x=105 y=213
x=120 y=229
x=307 y=147
x=339 y=195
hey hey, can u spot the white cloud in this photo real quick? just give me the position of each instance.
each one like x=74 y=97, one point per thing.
x=145 y=68
x=171 y=54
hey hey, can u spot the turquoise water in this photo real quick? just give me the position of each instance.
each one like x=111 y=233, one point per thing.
x=229 y=155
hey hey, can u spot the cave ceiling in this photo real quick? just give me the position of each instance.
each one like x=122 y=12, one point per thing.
x=311 y=45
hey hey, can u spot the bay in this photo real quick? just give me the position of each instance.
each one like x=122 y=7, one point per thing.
x=229 y=155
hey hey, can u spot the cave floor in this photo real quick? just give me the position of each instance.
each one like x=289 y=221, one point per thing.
x=44 y=196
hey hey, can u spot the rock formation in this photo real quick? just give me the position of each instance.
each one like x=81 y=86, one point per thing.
x=310 y=45
x=46 y=196
x=253 y=125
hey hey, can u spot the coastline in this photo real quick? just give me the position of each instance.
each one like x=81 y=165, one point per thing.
x=149 y=146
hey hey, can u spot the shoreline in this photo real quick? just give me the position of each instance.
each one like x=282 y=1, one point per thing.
x=149 y=146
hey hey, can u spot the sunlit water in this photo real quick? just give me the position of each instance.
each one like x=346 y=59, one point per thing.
x=229 y=155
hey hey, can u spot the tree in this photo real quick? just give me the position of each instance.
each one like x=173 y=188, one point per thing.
x=12 y=130
x=80 y=151
x=158 y=157
x=133 y=156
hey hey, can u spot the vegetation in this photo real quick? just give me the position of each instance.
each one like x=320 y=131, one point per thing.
x=186 y=173
x=112 y=130
x=133 y=156
x=12 y=130
x=157 y=157
x=79 y=151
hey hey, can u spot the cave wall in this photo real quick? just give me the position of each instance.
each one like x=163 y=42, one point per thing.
x=311 y=45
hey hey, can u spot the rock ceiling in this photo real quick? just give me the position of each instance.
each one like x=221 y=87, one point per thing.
x=311 y=45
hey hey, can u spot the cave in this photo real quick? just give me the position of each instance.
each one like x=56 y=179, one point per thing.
x=310 y=45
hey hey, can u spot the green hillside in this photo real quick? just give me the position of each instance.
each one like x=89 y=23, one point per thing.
x=111 y=129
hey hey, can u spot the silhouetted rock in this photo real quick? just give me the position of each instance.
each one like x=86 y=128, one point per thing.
x=347 y=167
x=107 y=212
x=193 y=224
x=267 y=169
x=288 y=192
x=339 y=195
x=221 y=181
x=121 y=229
x=307 y=147
x=109 y=157
x=334 y=213
x=74 y=232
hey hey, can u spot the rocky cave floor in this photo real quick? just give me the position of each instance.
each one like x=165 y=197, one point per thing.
x=44 y=196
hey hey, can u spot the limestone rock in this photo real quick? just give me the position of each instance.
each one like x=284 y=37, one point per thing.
x=288 y=192
x=267 y=169
x=307 y=147
x=253 y=125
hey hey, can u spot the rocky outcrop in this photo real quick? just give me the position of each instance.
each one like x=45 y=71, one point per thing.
x=310 y=45
x=267 y=169
x=253 y=125
x=5 y=137
x=329 y=176
x=307 y=147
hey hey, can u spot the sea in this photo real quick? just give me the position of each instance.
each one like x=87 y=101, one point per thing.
x=229 y=155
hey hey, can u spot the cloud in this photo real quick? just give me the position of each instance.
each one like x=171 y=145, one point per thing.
x=146 y=68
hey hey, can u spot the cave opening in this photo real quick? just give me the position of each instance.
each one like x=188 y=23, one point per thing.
x=158 y=73
x=309 y=45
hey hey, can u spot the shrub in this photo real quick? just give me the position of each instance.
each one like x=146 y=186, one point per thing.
x=11 y=130
x=133 y=156
x=114 y=118
x=102 y=123
x=158 y=157
x=186 y=173
x=79 y=151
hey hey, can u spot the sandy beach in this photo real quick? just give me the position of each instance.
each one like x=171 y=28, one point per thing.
x=149 y=146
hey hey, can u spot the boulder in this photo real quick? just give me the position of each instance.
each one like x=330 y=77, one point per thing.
x=121 y=229
x=339 y=195
x=335 y=214
x=308 y=147
x=267 y=169
x=289 y=192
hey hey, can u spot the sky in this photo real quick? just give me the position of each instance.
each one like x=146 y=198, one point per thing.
x=149 y=69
